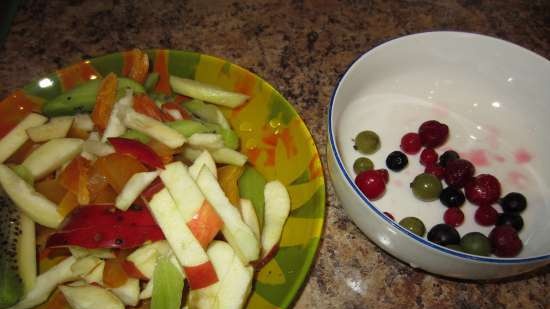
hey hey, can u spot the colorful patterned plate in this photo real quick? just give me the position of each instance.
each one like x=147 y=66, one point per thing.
x=273 y=136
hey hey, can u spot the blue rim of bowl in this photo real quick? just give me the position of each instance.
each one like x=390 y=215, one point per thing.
x=380 y=214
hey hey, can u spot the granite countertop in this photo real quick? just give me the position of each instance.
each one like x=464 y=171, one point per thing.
x=301 y=47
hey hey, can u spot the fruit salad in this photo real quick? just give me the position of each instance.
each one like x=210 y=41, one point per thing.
x=130 y=192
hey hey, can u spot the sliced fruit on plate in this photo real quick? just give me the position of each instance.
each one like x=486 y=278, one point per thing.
x=277 y=209
x=17 y=136
x=249 y=216
x=222 y=155
x=83 y=122
x=57 y=127
x=90 y=297
x=115 y=126
x=133 y=188
x=79 y=252
x=46 y=283
x=145 y=258
x=206 y=92
x=167 y=286
x=128 y=293
x=237 y=233
x=26 y=251
x=96 y=275
x=153 y=128
x=235 y=281
x=52 y=155
x=138 y=150
x=207 y=112
x=183 y=189
x=186 y=247
x=206 y=140
x=32 y=203
x=204 y=159
x=85 y=265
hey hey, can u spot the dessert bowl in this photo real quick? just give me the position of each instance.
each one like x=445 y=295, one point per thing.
x=494 y=97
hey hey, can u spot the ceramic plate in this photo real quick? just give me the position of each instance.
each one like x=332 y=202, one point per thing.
x=272 y=135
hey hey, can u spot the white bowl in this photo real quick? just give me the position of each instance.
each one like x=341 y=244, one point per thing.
x=495 y=97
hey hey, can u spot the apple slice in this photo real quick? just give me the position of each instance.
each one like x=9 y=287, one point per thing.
x=90 y=297
x=206 y=140
x=128 y=293
x=204 y=159
x=147 y=291
x=145 y=258
x=57 y=127
x=26 y=251
x=153 y=128
x=83 y=122
x=85 y=265
x=18 y=135
x=133 y=188
x=46 y=283
x=33 y=204
x=96 y=275
x=250 y=217
x=238 y=234
x=52 y=155
x=277 y=209
x=222 y=155
x=235 y=281
x=183 y=189
x=185 y=246
x=207 y=92
x=97 y=148
x=115 y=126
x=79 y=252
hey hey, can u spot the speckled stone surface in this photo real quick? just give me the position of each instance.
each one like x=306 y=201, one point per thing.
x=301 y=47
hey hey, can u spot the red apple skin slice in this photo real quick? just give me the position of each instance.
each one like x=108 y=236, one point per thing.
x=201 y=276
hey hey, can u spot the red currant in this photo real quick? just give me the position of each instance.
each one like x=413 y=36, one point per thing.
x=482 y=190
x=453 y=216
x=486 y=216
x=389 y=215
x=433 y=133
x=384 y=174
x=371 y=184
x=505 y=241
x=428 y=156
x=458 y=172
x=436 y=170
x=410 y=143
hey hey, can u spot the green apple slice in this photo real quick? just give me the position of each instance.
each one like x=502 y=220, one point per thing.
x=277 y=209
x=206 y=140
x=32 y=203
x=153 y=128
x=85 y=265
x=57 y=127
x=83 y=122
x=207 y=92
x=96 y=275
x=90 y=297
x=52 y=155
x=238 y=234
x=18 y=135
x=145 y=258
x=222 y=155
